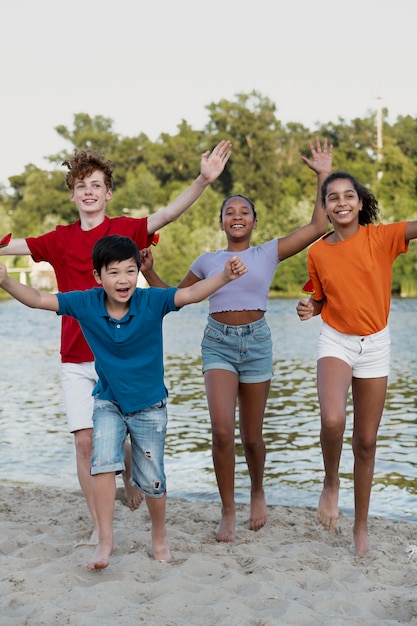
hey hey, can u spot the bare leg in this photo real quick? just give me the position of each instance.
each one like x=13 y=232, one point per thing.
x=368 y=400
x=221 y=390
x=252 y=401
x=160 y=547
x=133 y=496
x=104 y=496
x=333 y=380
x=83 y=440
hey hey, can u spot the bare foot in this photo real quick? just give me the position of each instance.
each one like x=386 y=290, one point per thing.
x=361 y=540
x=101 y=557
x=226 y=528
x=161 y=551
x=133 y=496
x=328 y=510
x=258 y=511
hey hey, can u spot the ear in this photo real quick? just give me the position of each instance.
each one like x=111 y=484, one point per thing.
x=97 y=277
x=255 y=223
x=109 y=194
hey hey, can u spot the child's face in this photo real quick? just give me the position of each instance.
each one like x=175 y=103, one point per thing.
x=119 y=280
x=90 y=194
x=237 y=218
x=342 y=202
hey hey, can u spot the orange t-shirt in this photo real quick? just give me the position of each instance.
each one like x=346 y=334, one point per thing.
x=354 y=277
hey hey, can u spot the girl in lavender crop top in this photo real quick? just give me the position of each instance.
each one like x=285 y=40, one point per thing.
x=252 y=294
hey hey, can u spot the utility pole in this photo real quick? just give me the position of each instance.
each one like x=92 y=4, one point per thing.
x=379 y=143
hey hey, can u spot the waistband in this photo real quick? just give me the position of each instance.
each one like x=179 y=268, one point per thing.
x=245 y=329
x=384 y=333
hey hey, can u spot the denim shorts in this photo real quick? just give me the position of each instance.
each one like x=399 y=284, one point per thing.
x=368 y=356
x=244 y=350
x=78 y=381
x=147 y=430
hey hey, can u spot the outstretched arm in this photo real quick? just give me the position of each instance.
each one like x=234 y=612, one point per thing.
x=212 y=165
x=27 y=295
x=200 y=290
x=16 y=247
x=411 y=231
x=321 y=163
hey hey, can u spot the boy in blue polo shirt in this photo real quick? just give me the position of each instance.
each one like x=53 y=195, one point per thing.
x=123 y=326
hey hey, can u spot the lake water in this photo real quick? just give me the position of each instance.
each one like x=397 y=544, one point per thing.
x=35 y=446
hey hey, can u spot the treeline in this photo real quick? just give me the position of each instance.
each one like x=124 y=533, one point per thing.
x=265 y=166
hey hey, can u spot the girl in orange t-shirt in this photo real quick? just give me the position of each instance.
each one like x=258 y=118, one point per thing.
x=351 y=271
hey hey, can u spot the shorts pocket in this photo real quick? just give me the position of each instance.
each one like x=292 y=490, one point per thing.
x=262 y=333
x=211 y=334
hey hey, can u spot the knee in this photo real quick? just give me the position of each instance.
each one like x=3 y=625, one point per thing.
x=363 y=448
x=333 y=426
x=84 y=442
x=222 y=439
x=252 y=445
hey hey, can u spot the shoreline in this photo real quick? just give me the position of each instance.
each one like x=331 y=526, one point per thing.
x=290 y=572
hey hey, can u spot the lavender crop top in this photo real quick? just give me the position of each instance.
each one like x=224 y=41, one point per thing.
x=250 y=291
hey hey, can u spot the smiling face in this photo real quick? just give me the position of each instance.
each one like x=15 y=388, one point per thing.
x=238 y=218
x=90 y=194
x=342 y=203
x=119 y=280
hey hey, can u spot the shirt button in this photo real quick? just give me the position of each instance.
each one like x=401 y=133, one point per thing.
x=118 y=326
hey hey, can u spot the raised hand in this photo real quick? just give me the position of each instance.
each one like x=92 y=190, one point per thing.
x=212 y=163
x=146 y=260
x=321 y=161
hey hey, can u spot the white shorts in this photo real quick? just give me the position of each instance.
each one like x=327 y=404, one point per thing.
x=78 y=381
x=368 y=356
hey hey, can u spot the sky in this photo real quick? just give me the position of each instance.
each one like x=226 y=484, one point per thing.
x=149 y=65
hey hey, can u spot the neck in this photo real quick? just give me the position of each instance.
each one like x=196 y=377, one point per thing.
x=117 y=310
x=88 y=222
x=237 y=246
x=340 y=234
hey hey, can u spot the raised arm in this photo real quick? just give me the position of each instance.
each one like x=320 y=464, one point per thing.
x=27 y=295
x=197 y=292
x=212 y=165
x=321 y=164
x=153 y=279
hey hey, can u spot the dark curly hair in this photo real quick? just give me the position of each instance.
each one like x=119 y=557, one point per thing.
x=83 y=163
x=370 y=209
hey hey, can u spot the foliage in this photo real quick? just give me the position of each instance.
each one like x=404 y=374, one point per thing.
x=265 y=166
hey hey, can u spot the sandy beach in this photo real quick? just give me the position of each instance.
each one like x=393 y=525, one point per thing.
x=290 y=572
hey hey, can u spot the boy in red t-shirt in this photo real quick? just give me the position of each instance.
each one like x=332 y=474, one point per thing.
x=68 y=249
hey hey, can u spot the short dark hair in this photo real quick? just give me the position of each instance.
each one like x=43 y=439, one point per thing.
x=114 y=248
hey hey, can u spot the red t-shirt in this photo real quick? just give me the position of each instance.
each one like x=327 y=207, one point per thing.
x=68 y=249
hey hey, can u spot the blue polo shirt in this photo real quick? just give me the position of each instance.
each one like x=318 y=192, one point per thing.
x=128 y=352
